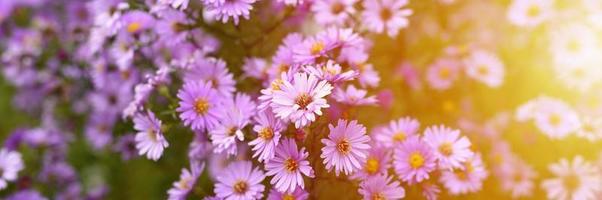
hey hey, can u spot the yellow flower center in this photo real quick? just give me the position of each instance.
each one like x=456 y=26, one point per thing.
x=571 y=182
x=134 y=27
x=288 y=197
x=483 y=70
x=444 y=73
x=240 y=187
x=337 y=8
x=416 y=160
x=533 y=11
x=378 y=196
x=303 y=100
x=152 y=134
x=386 y=14
x=201 y=106
x=317 y=48
x=554 y=119
x=183 y=184
x=372 y=165
x=276 y=84
x=344 y=147
x=399 y=137
x=446 y=149
x=291 y=165
x=266 y=133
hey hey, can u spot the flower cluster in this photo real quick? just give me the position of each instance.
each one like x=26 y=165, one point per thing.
x=299 y=99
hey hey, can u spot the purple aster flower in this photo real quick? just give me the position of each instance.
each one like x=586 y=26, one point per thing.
x=126 y=145
x=330 y=72
x=298 y=194
x=268 y=129
x=171 y=27
x=381 y=187
x=288 y=166
x=443 y=73
x=27 y=194
x=149 y=139
x=214 y=71
x=135 y=22
x=283 y=60
x=368 y=75
x=188 y=179
x=397 y=131
x=451 y=150
x=346 y=147
x=10 y=165
x=225 y=9
x=199 y=105
x=467 y=179
x=240 y=181
x=99 y=130
x=414 y=160
x=312 y=49
x=235 y=115
x=301 y=100
x=377 y=162
x=386 y=16
x=333 y=12
x=353 y=96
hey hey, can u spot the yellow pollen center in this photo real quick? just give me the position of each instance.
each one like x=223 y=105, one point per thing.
x=276 y=84
x=386 y=14
x=337 y=8
x=344 y=147
x=446 y=149
x=573 y=45
x=288 y=197
x=134 y=27
x=184 y=183
x=201 y=106
x=291 y=165
x=240 y=187
x=444 y=73
x=152 y=134
x=317 y=48
x=571 y=182
x=399 y=137
x=303 y=100
x=416 y=160
x=266 y=133
x=378 y=196
x=483 y=70
x=533 y=11
x=554 y=119
x=372 y=165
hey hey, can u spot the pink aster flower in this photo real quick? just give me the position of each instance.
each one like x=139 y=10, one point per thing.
x=298 y=194
x=451 y=149
x=256 y=68
x=386 y=16
x=467 y=179
x=353 y=96
x=149 y=139
x=485 y=67
x=413 y=160
x=377 y=162
x=331 y=72
x=333 y=12
x=214 y=71
x=178 y=4
x=574 y=180
x=199 y=105
x=443 y=73
x=301 y=100
x=529 y=13
x=346 y=147
x=430 y=191
x=556 y=119
x=288 y=166
x=10 y=165
x=188 y=179
x=235 y=114
x=225 y=9
x=517 y=177
x=397 y=131
x=381 y=187
x=268 y=129
x=240 y=181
